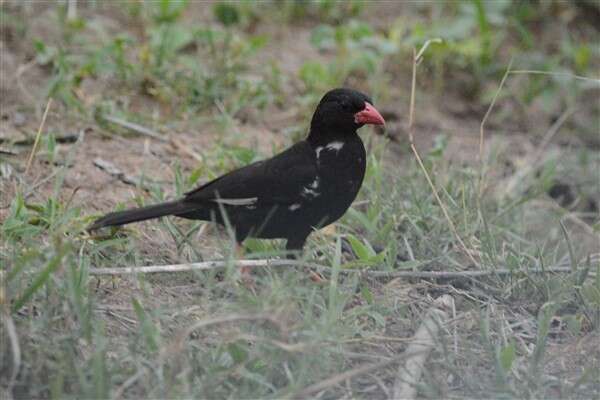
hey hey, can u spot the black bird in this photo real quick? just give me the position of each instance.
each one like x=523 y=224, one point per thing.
x=308 y=186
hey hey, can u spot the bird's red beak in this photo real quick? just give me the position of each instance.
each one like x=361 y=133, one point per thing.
x=369 y=116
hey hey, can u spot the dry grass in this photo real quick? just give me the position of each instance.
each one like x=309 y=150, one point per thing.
x=522 y=264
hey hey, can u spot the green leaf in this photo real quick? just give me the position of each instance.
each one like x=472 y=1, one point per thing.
x=40 y=279
x=362 y=251
x=167 y=11
x=507 y=356
x=194 y=176
x=315 y=75
x=411 y=264
x=238 y=353
x=366 y=294
x=148 y=329
x=322 y=37
x=226 y=13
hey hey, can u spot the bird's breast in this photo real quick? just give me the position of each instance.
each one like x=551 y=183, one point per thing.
x=340 y=172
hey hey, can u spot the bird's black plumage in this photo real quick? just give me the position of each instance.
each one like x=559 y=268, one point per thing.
x=309 y=185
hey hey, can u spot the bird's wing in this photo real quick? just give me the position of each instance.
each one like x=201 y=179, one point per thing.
x=278 y=180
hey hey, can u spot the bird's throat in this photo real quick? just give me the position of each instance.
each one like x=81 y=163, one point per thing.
x=318 y=138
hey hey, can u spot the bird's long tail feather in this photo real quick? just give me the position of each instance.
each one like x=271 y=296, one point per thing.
x=141 y=214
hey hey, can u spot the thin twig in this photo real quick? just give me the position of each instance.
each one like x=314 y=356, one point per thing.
x=37 y=137
x=113 y=170
x=411 y=107
x=423 y=342
x=552 y=132
x=565 y=74
x=489 y=111
x=418 y=157
x=277 y=263
x=137 y=128
x=419 y=56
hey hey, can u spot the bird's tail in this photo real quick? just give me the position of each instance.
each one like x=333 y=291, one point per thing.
x=141 y=214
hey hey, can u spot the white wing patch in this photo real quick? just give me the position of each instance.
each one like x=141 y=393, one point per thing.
x=318 y=151
x=307 y=192
x=314 y=184
x=237 y=202
x=294 y=207
x=337 y=146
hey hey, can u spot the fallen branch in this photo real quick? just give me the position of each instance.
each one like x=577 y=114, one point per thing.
x=216 y=265
x=113 y=170
x=423 y=342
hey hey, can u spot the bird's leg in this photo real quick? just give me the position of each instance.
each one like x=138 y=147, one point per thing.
x=294 y=247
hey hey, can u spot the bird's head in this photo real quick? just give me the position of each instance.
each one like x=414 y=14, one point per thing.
x=343 y=111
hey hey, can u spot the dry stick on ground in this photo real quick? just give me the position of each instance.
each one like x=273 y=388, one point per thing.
x=417 y=57
x=142 y=130
x=423 y=342
x=113 y=170
x=216 y=265
x=37 y=137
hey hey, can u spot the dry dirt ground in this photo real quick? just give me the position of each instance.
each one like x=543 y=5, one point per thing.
x=96 y=191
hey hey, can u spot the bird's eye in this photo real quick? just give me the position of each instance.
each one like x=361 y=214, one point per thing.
x=346 y=106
